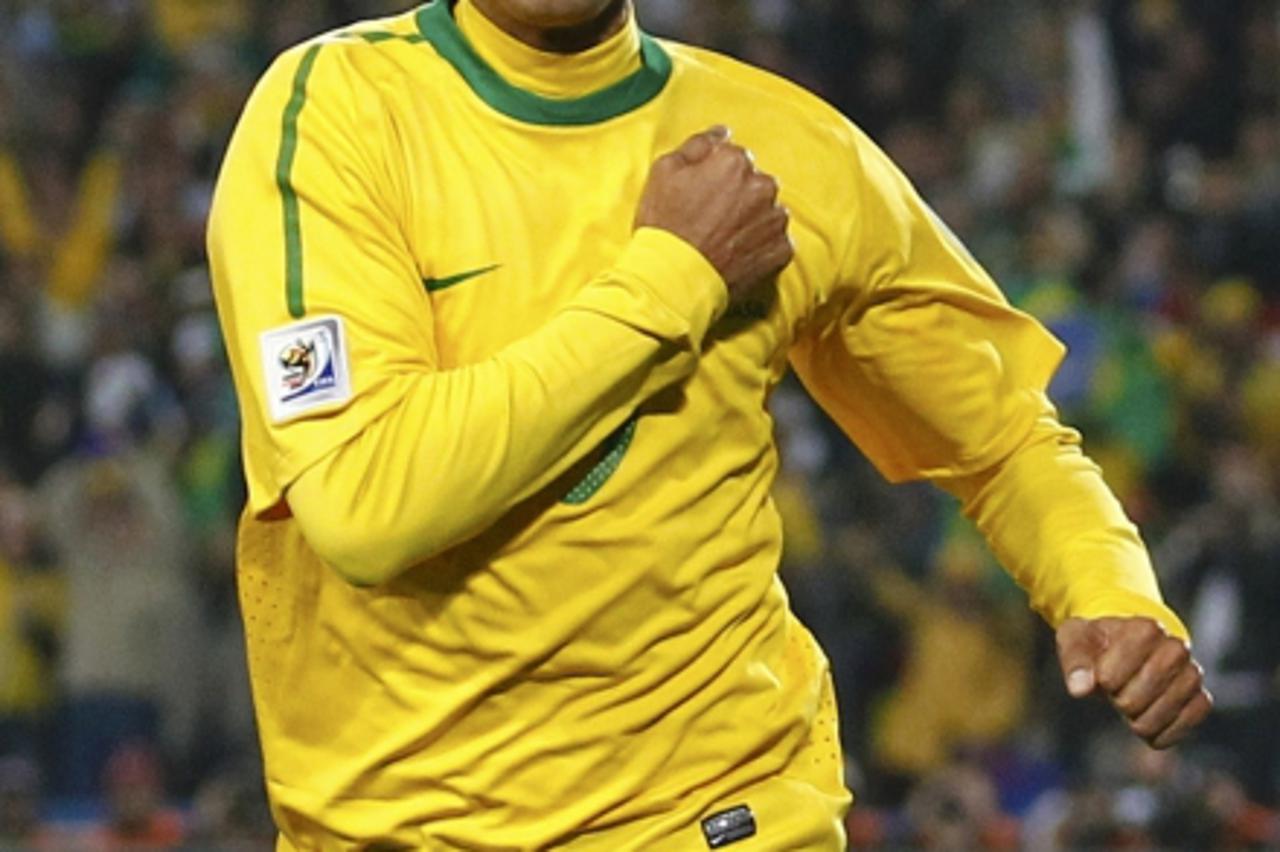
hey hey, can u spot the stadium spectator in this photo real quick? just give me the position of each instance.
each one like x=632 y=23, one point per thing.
x=137 y=815
x=130 y=635
x=21 y=826
x=31 y=610
x=963 y=684
x=956 y=809
x=1223 y=556
x=229 y=812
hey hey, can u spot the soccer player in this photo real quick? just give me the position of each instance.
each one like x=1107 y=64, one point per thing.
x=505 y=302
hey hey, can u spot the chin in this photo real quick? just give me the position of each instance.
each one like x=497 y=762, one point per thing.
x=556 y=13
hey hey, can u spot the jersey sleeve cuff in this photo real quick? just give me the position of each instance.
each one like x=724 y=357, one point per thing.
x=1130 y=605
x=678 y=281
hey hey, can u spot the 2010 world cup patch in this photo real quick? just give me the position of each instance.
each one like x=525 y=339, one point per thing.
x=729 y=826
x=306 y=366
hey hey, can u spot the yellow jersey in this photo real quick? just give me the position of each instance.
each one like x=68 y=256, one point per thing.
x=533 y=445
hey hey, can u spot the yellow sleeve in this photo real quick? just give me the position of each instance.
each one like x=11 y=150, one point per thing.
x=464 y=446
x=395 y=460
x=925 y=365
x=1060 y=531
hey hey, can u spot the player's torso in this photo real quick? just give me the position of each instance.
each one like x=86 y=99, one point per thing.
x=534 y=217
x=510 y=219
x=640 y=591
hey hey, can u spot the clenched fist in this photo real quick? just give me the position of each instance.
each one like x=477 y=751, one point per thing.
x=1148 y=675
x=709 y=193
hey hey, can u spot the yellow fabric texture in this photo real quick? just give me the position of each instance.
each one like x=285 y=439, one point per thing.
x=605 y=671
x=613 y=346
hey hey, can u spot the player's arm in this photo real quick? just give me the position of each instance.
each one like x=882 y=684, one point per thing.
x=1047 y=503
x=462 y=447
x=414 y=459
x=926 y=366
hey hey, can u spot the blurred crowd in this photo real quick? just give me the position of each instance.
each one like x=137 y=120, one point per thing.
x=1114 y=163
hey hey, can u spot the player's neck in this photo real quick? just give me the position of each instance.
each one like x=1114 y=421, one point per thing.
x=571 y=39
x=550 y=74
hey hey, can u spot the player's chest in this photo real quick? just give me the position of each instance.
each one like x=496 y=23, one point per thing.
x=507 y=230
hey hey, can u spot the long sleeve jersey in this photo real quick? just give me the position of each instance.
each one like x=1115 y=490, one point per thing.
x=509 y=563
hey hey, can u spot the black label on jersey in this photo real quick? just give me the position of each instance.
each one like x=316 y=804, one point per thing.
x=729 y=826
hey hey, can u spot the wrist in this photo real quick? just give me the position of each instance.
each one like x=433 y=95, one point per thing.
x=679 y=275
x=662 y=285
x=1123 y=604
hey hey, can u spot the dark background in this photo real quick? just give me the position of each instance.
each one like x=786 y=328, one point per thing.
x=1116 y=165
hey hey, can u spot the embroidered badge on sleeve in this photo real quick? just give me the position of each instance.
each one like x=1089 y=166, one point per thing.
x=306 y=367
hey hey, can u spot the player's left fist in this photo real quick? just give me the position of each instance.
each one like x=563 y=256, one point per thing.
x=1148 y=675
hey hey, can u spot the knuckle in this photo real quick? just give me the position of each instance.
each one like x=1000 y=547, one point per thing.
x=1109 y=681
x=763 y=190
x=1145 y=728
x=1148 y=629
x=734 y=169
x=720 y=153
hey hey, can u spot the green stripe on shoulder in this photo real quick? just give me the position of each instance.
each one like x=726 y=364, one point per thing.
x=293 y=275
x=379 y=36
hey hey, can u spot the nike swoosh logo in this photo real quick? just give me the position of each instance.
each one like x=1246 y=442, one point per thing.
x=435 y=285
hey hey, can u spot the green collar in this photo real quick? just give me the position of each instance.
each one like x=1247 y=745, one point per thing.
x=435 y=22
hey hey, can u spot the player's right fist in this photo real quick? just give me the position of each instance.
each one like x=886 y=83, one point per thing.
x=709 y=193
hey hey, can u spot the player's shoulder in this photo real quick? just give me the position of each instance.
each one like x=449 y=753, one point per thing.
x=788 y=106
x=362 y=55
